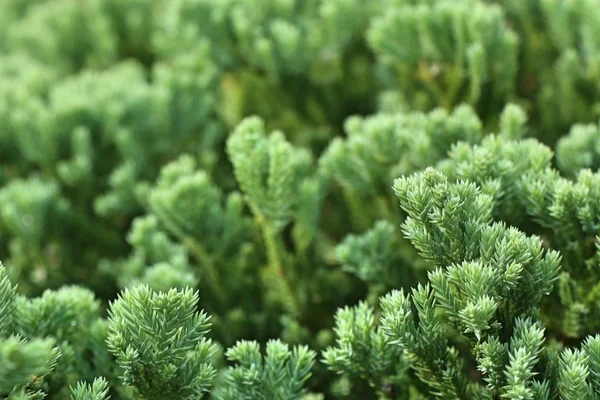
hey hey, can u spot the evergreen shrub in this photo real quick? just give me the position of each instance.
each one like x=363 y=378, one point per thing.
x=299 y=199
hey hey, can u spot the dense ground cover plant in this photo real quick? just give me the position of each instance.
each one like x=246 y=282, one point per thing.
x=299 y=199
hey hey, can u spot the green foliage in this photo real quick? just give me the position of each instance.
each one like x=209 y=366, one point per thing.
x=373 y=256
x=25 y=363
x=480 y=297
x=158 y=340
x=379 y=148
x=65 y=34
x=280 y=374
x=423 y=343
x=501 y=167
x=362 y=350
x=559 y=66
x=578 y=150
x=280 y=189
x=268 y=170
x=7 y=303
x=98 y=390
x=287 y=61
x=163 y=161
x=443 y=53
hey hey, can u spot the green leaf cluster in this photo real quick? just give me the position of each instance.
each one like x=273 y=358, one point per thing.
x=299 y=199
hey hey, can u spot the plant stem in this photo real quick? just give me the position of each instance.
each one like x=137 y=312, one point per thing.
x=275 y=265
x=360 y=219
x=200 y=254
x=208 y=267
